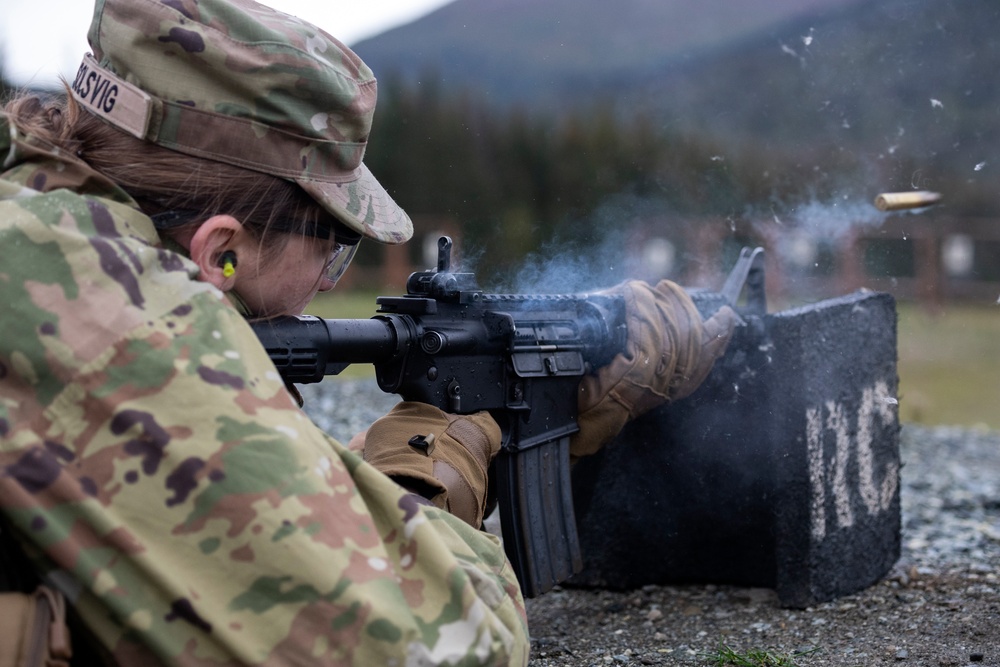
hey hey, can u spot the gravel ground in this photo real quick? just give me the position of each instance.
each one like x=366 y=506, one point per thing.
x=939 y=606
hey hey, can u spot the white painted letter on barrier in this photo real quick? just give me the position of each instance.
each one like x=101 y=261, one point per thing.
x=831 y=478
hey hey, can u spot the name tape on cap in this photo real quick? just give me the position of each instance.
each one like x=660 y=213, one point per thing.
x=112 y=98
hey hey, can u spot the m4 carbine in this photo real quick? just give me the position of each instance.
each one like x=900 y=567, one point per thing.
x=521 y=357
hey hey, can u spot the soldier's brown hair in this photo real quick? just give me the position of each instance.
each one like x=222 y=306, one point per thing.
x=162 y=180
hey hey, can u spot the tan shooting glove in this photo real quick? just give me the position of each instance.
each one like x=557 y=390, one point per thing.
x=668 y=353
x=439 y=456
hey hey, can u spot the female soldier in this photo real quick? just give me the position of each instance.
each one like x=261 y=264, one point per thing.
x=207 y=167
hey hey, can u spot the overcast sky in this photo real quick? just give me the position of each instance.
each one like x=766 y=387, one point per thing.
x=43 y=39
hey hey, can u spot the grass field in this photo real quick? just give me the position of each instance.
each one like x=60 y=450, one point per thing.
x=949 y=365
x=353 y=303
x=949 y=361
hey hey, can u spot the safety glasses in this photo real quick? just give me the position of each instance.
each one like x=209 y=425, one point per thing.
x=345 y=245
x=340 y=259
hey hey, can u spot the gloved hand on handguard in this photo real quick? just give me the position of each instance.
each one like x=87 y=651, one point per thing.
x=668 y=353
x=440 y=456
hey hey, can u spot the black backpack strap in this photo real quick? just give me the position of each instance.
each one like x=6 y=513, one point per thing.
x=16 y=573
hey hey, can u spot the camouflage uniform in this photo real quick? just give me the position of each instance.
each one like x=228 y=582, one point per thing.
x=178 y=496
x=160 y=474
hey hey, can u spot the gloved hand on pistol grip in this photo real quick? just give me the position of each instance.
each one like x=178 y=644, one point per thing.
x=668 y=353
x=440 y=456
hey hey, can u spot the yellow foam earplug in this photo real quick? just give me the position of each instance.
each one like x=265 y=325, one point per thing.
x=228 y=263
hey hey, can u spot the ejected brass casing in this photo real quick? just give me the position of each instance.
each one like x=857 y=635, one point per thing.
x=897 y=201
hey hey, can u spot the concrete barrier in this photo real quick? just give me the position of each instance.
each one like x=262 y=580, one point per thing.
x=781 y=471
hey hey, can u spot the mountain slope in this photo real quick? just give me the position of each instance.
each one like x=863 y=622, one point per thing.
x=912 y=81
x=535 y=52
x=903 y=93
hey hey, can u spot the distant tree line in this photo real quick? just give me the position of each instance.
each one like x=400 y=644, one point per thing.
x=518 y=181
x=515 y=182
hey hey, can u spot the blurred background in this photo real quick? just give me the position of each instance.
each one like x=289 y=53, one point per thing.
x=569 y=144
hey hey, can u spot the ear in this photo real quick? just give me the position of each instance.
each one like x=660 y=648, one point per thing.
x=215 y=236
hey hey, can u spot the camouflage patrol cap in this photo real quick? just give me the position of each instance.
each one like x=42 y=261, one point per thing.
x=240 y=83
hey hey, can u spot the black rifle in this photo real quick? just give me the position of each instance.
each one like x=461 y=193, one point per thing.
x=518 y=356
x=521 y=357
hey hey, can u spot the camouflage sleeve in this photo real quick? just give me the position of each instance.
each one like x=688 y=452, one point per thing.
x=152 y=457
